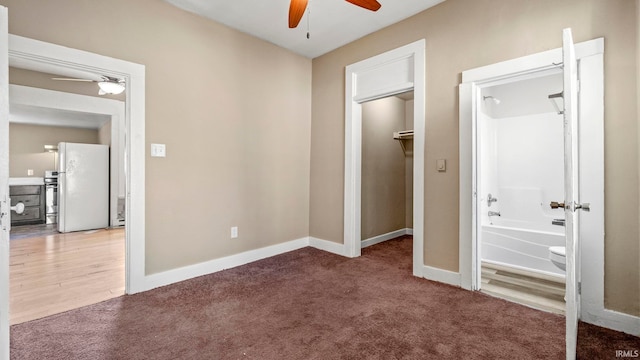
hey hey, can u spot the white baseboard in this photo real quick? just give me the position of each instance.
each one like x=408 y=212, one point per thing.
x=441 y=275
x=606 y=318
x=384 y=237
x=329 y=246
x=208 y=267
x=612 y=320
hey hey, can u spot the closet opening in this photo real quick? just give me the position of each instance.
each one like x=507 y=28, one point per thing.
x=387 y=173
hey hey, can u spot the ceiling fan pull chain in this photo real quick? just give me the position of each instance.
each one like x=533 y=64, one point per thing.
x=308 y=20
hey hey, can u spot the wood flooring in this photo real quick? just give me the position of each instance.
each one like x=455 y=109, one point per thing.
x=527 y=288
x=58 y=272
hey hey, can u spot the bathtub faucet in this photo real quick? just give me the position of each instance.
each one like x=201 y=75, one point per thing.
x=491 y=199
x=494 y=213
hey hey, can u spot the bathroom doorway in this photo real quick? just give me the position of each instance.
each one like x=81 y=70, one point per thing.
x=583 y=106
x=520 y=171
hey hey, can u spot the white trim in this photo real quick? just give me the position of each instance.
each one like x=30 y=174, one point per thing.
x=34 y=54
x=441 y=275
x=384 y=237
x=613 y=320
x=467 y=256
x=386 y=74
x=328 y=246
x=25 y=95
x=4 y=186
x=529 y=63
x=385 y=92
x=228 y=262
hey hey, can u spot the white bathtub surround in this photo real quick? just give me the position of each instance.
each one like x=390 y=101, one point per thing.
x=520 y=244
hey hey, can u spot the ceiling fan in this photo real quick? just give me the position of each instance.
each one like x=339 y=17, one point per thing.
x=297 y=8
x=107 y=85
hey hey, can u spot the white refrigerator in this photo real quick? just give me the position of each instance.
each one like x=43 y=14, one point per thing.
x=83 y=187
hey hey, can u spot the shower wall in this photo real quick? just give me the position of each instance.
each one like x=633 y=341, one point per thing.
x=523 y=167
x=522 y=151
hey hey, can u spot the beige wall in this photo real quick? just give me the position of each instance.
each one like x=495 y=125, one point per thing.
x=465 y=34
x=237 y=119
x=26 y=146
x=104 y=134
x=383 y=168
x=234 y=112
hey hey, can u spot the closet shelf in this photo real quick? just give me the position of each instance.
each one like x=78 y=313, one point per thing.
x=403 y=135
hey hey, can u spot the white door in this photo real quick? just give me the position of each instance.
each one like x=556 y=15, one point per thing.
x=571 y=191
x=5 y=213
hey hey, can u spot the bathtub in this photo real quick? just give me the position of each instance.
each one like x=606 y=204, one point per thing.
x=521 y=244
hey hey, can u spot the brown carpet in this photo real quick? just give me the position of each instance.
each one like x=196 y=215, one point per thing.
x=309 y=304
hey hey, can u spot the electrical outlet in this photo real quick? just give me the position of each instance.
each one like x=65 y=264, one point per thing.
x=29 y=172
x=234 y=232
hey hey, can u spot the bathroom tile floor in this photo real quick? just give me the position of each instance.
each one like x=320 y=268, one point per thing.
x=533 y=290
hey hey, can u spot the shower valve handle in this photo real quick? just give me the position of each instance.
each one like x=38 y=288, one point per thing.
x=556 y=205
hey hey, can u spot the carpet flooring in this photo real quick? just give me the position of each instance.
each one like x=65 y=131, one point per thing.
x=309 y=304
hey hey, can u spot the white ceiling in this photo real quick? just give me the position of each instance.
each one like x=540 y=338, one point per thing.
x=528 y=96
x=333 y=23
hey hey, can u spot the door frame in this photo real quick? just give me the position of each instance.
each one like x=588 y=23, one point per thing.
x=591 y=71
x=38 y=55
x=390 y=73
x=114 y=109
x=5 y=212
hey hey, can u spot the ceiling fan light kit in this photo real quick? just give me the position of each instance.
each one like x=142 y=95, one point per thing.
x=297 y=8
x=110 y=87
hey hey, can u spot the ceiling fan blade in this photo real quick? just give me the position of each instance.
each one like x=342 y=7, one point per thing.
x=72 y=79
x=372 y=5
x=296 y=11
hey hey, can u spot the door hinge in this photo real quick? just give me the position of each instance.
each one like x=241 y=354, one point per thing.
x=579 y=287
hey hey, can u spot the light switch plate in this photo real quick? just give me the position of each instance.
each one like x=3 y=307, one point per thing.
x=441 y=165
x=158 y=150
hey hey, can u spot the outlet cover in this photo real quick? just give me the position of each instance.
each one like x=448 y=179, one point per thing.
x=234 y=232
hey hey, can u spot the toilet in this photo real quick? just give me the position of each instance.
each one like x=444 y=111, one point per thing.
x=557 y=256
